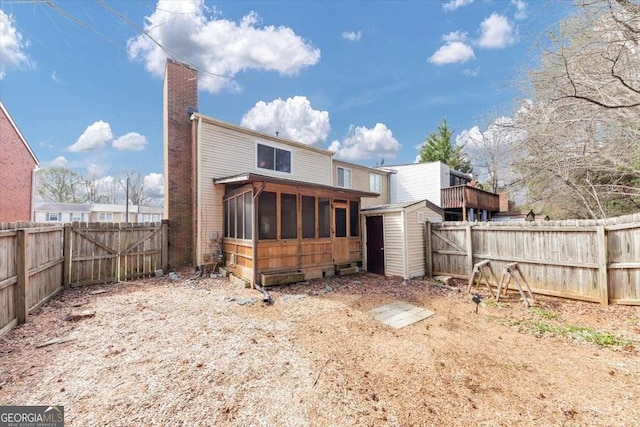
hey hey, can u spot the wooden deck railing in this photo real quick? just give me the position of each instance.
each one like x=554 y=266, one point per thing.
x=469 y=197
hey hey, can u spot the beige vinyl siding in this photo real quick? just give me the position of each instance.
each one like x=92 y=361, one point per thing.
x=226 y=152
x=360 y=181
x=416 y=241
x=393 y=244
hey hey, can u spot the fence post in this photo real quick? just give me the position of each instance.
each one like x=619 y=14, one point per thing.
x=165 y=246
x=22 y=267
x=469 y=245
x=603 y=263
x=66 y=253
x=119 y=256
x=428 y=258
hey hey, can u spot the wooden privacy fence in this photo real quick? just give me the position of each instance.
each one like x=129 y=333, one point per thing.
x=106 y=252
x=590 y=260
x=38 y=260
x=31 y=265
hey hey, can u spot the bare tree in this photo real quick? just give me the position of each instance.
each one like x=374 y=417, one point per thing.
x=491 y=151
x=593 y=57
x=138 y=192
x=578 y=163
x=62 y=185
x=580 y=155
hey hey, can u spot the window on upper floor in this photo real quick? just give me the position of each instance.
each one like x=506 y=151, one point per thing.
x=375 y=183
x=272 y=158
x=344 y=177
x=54 y=216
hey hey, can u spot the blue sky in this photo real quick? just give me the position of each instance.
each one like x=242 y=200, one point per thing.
x=369 y=80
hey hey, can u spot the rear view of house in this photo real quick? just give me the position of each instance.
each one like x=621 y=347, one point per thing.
x=271 y=201
x=17 y=169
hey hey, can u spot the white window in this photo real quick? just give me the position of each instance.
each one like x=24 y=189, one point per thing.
x=157 y=218
x=375 y=183
x=272 y=158
x=75 y=216
x=344 y=177
x=54 y=216
x=105 y=216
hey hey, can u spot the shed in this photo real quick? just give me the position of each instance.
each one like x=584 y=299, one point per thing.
x=514 y=216
x=395 y=238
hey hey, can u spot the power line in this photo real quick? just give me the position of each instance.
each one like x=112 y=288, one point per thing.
x=78 y=21
x=157 y=43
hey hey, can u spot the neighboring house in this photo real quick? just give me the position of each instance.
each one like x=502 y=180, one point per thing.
x=446 y=188
x=17 y=169
x=363 y=178
x=274 y=201
x=395 y=238
x=71 y=212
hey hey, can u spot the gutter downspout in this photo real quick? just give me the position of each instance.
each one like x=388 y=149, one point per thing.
x=195 y=190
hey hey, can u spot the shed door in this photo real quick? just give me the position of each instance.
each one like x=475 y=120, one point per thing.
x=375 y=244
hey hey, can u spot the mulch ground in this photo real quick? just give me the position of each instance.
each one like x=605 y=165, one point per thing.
x=206 y=352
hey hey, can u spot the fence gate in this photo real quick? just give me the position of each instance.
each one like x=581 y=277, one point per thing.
x=450 y=250
x=111 y=252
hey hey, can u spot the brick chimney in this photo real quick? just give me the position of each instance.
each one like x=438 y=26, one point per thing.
x=180 y=100
x=504 y=200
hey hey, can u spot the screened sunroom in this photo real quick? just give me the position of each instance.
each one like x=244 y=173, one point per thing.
x=289 y=230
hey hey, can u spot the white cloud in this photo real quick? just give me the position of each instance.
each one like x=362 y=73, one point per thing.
x=55 y=78
x=455 y=36
x=12 y=46
x=451 y=53
x=471 y=73
x=94 y=137
x=520 y=6
x=496 y=32
x=364 y=143
x=293 y=119
x=454 y=4
x=198 y=35
x=59 y=161
x=352 y=36
x=131 y=141
x=154 y=182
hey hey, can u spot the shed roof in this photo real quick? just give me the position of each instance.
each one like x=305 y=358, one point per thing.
x=395 y=207
x=247 y=177
x=514 y=214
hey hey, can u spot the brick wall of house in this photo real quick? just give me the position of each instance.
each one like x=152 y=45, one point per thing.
x=16 y=174
x=180 y=93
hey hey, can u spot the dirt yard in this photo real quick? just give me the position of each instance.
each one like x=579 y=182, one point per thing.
x=199 y=352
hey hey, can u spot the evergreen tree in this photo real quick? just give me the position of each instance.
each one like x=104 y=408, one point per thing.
x=439 y=147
